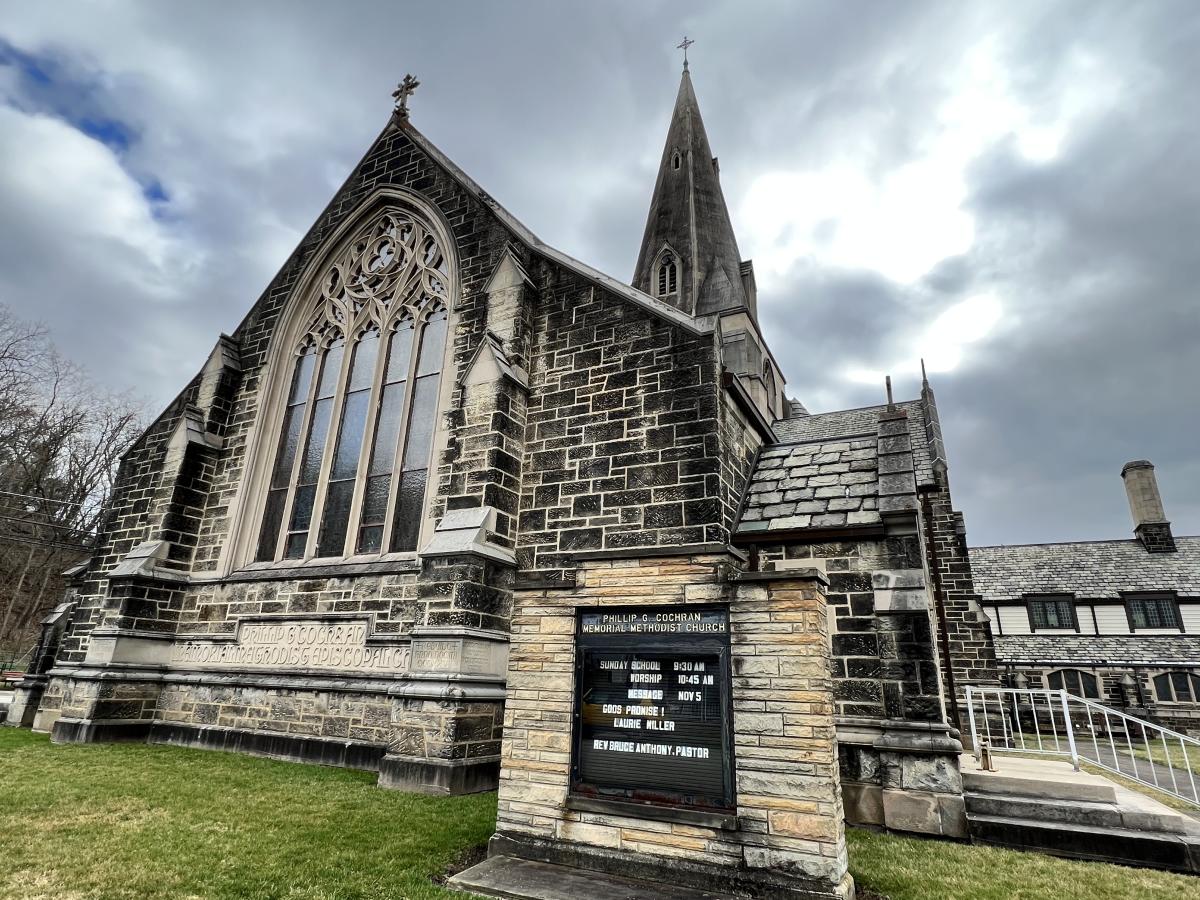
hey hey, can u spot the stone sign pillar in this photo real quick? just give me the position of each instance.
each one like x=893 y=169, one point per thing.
x=669 y=720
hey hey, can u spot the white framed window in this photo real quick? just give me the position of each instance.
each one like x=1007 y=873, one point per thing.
x=354 y=448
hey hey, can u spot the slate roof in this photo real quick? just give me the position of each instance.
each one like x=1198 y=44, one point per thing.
x=1088 y=569
x=819 y=484
x=858 y=423
x=824 y=471
x=1091 y=649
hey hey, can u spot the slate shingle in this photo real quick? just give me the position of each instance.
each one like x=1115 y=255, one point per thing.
x=1098 y=650
x=1088 y=569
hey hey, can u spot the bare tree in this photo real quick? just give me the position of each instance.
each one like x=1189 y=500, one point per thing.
x=60 y=441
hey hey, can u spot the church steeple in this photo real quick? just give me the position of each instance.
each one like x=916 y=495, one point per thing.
x=689 y=256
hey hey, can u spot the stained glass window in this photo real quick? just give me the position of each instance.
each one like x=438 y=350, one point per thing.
x=356 y=442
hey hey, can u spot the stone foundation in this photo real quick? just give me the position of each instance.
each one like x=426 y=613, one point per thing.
x=430 y=735
x=902 y=776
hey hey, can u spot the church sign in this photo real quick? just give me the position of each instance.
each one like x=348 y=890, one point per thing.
x=653 y=706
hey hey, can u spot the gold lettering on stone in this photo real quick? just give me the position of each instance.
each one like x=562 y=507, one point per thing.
x=294 y=644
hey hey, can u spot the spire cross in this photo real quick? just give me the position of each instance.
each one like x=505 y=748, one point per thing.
x=684 y=47
x=401 y=94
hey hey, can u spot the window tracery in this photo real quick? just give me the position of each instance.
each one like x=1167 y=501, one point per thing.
x=353 y=455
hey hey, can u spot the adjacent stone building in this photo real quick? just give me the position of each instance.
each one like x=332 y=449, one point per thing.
x=1115 y=621
x=366 y=532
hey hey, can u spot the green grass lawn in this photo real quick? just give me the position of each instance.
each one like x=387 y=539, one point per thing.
x=137 y=821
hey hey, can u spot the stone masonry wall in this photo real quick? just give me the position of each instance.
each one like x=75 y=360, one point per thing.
x=480 y=240
x=124 y=525
x=622 y=444
x=967 y=654
x=391 y=599
x=353 y=716
x=884 y=665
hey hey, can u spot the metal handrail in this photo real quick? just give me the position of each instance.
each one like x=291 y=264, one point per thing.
x=1048 y=722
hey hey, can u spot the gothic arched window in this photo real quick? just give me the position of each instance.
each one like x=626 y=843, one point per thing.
x=1177 y=687
x=668 y=274
x=769 y=384
x=354 y=449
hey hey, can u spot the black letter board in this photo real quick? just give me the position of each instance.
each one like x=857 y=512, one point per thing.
x=652 y=706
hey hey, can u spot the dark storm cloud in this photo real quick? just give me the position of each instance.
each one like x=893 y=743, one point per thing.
x=159 y=163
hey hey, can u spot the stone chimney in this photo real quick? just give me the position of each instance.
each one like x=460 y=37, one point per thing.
x=1149 y=521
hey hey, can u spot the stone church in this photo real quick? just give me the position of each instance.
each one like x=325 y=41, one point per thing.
x=368 y=533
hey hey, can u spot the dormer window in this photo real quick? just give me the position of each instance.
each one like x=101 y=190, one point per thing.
x=676 y=160
x=1152 y=611
x=668 y=274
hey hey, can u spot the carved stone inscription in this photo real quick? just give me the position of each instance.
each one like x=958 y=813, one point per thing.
x=295 y=644
x=436 y=656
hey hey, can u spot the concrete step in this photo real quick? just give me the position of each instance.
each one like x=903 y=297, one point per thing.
x=1156 y=850
x=1063 y=786
x=522 y=879
x=1077 y=812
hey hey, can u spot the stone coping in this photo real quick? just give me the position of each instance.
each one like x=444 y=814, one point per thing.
x=689 y=550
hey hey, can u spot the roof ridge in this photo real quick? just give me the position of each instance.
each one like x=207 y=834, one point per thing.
x=1183 y=537
x=830 y=412
x=696 y=324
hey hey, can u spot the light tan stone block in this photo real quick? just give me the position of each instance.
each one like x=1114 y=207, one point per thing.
x=802 y=825
x=596 y=835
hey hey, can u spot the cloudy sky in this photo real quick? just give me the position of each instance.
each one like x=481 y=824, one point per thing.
x=1010 y=190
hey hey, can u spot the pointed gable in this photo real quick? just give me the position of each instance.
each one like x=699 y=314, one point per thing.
x=688 y=219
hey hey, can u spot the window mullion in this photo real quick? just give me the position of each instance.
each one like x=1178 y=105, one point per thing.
x=301 y=439
x=410 y=387
x=331 y=438
x=363 y=474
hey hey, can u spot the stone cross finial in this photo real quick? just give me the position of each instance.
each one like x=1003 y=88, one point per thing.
x=403 y=91
x=684 y=47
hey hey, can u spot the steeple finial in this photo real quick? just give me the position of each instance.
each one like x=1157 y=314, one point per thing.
x=401 y=94
x=684 y=47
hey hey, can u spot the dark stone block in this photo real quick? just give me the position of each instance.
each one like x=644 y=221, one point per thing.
x=855 y=645
x=850 y=583
x=701 y=512
x=581 y=539
x=663 y=515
